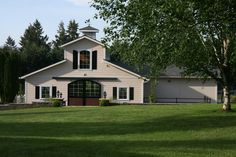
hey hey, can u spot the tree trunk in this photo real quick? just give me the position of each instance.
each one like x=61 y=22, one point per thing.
x=226 y=97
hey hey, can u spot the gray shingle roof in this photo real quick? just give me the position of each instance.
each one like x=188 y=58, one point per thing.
x=171 y=71
x=88 y=28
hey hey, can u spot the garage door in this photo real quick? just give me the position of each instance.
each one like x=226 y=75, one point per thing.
x=84 y=93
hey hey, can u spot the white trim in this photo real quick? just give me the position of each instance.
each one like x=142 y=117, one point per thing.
x=123 y=69
x=104 y=54
x=26 y=92
x=216 y=93
x=40 y=91
x=90 y=58
x=142 y=92
x=83 y=37
x=40 y=70
x=182 y=77
x=118 y=94
x=88 y=31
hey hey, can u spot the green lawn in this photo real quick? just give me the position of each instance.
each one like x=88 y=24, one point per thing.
x=119 y=131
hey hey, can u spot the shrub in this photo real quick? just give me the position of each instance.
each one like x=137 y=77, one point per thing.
x=151 y=99
x=104 y=102
x=56 y=103
x=233 y=98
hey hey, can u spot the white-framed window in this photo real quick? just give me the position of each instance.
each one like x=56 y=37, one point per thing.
x=85 y=60
x=123 y=93
x=45 y=92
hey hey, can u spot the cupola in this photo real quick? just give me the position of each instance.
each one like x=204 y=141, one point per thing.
x=89 y=31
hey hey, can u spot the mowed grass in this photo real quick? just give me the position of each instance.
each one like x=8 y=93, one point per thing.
x=119 y=131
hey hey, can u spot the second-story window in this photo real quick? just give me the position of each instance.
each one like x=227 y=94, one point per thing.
x=84 y=60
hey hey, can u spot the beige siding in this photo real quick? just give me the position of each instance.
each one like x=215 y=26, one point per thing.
x=107 y=85
x=84 y=44
x=125 y=82
x=44 y=78
x=184 y=88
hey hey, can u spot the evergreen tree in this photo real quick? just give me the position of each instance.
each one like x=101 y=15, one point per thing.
x=2 y=63
x=10 y=43
x=72 y=31
x=63 y=36
x=60 y=39
x=11 y=74
x=35 y=48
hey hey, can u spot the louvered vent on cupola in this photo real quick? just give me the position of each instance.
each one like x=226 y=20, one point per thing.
x=89 y=31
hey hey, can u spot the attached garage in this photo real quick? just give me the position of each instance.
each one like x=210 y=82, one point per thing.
x=184 y=90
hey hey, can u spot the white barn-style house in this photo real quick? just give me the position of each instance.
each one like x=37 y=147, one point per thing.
x=87 y=74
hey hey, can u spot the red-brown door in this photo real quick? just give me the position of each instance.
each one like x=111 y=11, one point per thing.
x=84 y=93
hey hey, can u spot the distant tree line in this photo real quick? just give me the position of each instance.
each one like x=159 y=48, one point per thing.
x=35 y=52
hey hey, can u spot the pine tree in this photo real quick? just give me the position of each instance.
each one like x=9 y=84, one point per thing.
x=60 y=37
x=10 y=43
x=35 y=48
x=57 y=53
x=72 y=31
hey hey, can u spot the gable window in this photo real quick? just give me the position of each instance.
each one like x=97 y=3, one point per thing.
x=123 y=93
x=45 y=92
x=84 y=60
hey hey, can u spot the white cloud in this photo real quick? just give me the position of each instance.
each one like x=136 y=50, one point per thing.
x=80 y=2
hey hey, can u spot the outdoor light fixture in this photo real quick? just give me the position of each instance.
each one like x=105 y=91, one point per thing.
x=105 y=94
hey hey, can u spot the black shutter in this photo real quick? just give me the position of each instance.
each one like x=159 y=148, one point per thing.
x=36 y=92
x=131 y=93
x=114 y=93
x=94 y=60
x=75 y=59
x=54 y=91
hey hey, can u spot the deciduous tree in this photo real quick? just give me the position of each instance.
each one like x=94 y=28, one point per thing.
x=197 y=35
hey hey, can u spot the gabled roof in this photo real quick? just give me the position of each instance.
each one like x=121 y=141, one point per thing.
x=40 y=70
x=89 y=29
x=80 y=38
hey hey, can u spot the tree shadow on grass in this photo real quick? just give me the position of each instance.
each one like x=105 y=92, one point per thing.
x=162 y=124
x=38 y=112
x=22 y=147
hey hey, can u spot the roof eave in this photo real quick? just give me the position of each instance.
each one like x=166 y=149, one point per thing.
x=83 y=37
x=92 y=31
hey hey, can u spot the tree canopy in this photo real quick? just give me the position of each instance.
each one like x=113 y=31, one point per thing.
x=63 y=36
x=35 y=48
x=35 y=52
x=60 y=37
x=196 y=35
x=72 y=30
x=10 y=43
x=10 y=66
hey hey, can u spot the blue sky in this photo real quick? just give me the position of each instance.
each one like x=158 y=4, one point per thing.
x=16 y=15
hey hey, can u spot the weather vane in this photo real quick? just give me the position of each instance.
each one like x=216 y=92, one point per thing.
x=87 y=22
